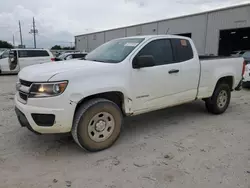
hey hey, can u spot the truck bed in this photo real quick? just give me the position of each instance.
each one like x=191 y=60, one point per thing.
x=207 y=57
x=213 y=68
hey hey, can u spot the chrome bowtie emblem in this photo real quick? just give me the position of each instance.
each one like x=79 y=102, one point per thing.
x=18 y=86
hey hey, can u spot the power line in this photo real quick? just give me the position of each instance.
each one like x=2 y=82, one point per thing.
x=13 y=40
x=20 y=30
x=34 y=31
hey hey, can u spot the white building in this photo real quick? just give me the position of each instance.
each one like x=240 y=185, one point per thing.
x=217 y=32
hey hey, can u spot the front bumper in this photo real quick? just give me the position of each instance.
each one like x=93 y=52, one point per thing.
x=63 y=115
x=23 y=120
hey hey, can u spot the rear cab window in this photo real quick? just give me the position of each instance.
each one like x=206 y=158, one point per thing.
x=168 y=51
x=182 y=50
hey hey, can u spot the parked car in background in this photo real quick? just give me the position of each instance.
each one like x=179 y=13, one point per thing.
x=246 y=76
x=4 y=54
x=246 y=56
x=56 y=53
x=243 y=53
x=20 y=58
x=238 y=53
x=124 y=77
x=68 y=56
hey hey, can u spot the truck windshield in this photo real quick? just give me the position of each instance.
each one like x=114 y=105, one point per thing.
x=114 y=51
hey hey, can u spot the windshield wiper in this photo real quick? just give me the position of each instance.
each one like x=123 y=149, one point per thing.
x=97 y=60
x=102 y=61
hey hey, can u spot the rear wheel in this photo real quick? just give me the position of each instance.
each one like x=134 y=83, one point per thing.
x=220 y=99
x=97 y=124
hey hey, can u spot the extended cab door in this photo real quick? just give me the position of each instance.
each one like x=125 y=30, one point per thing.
x=155 y=87
x=186 y=56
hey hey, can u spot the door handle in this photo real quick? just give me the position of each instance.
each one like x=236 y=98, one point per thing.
x=173 y=71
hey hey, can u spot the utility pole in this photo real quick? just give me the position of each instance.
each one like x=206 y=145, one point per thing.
x=13 y=40
x=20 y=30
x=34 y=31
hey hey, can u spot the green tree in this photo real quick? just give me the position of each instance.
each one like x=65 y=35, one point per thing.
x=56 y=47
x=68 y=48
x=5 y=44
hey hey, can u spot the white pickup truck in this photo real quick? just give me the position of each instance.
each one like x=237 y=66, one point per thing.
x=124 y=77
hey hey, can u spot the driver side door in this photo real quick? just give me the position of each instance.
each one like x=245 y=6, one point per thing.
x=154 y=87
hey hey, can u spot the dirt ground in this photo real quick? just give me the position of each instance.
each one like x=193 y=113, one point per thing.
x=178 y=147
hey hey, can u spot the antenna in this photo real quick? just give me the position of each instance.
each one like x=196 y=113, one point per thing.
x=167 y=31
x=21 y=37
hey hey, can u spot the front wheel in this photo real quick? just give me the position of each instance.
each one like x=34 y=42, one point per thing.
x=220 y=99
x=97 y=124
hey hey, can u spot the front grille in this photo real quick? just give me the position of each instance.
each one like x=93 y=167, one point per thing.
x=25 y=83
x=23 y=96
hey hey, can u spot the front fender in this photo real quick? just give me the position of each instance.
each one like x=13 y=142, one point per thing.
x=77 y=97
x=84 y=83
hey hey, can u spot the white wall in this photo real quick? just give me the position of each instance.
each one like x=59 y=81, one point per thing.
x=113 y=34
x=82 y=42
x=149 y=29
x=192 y=24
x=205 y=29
x=95 y=40
x=225 y=19
x=133 y=31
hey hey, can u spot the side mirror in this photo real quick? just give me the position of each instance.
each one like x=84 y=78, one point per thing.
x=143 y=61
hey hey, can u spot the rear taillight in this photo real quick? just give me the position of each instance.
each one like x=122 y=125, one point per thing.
x=53 y=59
x=244 y=67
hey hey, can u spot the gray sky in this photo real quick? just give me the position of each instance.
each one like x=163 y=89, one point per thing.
x=59 y=20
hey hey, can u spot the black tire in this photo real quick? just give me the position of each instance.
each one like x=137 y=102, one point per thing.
x=82 y=119
x=212 y=103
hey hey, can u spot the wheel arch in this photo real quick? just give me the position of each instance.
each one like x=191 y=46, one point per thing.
x=115 y=96
x=226 y=80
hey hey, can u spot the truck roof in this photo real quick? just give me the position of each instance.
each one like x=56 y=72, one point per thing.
x=29 y=49
x=157 y=36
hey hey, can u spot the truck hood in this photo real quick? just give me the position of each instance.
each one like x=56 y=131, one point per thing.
x=45 y=71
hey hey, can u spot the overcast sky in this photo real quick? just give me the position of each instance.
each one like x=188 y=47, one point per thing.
x=59 y=20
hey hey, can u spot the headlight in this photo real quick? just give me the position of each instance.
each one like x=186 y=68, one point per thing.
x=47 y=89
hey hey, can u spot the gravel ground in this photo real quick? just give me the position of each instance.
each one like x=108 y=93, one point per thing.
x=177 y=147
